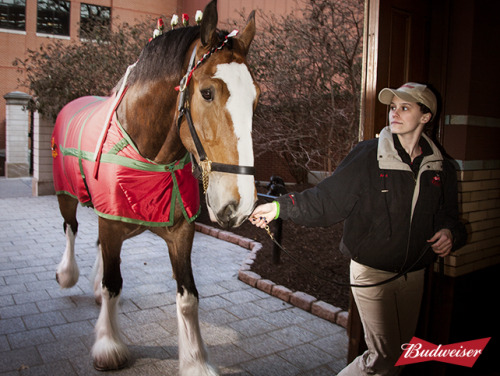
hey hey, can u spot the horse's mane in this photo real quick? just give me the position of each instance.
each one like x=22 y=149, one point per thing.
x=165 y=55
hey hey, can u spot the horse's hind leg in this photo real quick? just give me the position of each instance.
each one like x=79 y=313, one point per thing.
x=193 y=357
x=67 y=271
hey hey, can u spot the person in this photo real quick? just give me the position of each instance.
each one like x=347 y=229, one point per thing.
x=397 y=196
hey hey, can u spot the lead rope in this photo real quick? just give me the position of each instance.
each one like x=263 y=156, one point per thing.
x=329 y=280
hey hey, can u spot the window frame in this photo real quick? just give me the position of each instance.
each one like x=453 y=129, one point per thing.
x=7 y=26
x=51 y=15
x=100 y=21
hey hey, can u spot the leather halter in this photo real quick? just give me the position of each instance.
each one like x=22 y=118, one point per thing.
x=206 y=166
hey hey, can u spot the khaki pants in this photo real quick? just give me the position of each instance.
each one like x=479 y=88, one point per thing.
x=389 y=314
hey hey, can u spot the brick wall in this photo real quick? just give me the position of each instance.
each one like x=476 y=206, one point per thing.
x=479 y=198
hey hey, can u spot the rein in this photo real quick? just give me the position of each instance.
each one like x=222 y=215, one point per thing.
x=426 y=248
x=206 y=165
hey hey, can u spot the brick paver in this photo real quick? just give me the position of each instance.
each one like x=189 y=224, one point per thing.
x=48 y=331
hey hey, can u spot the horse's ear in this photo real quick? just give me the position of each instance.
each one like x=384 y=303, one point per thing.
x=208 y=31
x=247 y=35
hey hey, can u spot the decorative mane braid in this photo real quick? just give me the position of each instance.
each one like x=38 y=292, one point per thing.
x=204 y=58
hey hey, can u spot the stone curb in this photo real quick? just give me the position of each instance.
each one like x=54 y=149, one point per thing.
x=297 y=298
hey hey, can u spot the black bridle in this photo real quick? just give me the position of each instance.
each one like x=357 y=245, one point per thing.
x=206 y=166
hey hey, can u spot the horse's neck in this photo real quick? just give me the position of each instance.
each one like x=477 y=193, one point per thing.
x=147 y=115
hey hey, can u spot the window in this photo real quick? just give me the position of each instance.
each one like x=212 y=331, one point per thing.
x=93 y=18
x=13 y=14
x=53 y=17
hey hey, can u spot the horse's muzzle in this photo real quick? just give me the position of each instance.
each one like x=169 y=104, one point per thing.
x=229 y=216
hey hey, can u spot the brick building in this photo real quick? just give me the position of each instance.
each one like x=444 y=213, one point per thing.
x=27 y=24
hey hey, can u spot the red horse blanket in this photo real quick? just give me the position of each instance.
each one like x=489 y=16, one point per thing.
x=121 y=184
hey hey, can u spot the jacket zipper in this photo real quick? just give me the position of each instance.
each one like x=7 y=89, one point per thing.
x=414 y=203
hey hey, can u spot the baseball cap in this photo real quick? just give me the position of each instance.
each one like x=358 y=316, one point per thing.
x=411 y=92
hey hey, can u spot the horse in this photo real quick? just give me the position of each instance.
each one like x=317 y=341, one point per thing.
x=186 y=104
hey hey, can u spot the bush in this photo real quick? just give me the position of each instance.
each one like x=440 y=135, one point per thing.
x=309 y=67
x=61 y=71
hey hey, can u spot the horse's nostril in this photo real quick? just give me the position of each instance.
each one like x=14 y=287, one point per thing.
x=226 y=214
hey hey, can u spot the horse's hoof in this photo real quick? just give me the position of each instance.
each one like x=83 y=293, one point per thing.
x=67 y=278
x=102 y=368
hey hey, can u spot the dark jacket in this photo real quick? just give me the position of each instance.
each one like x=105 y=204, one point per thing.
x=389 y=211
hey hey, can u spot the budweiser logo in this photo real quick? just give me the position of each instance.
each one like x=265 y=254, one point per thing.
x=462 y=353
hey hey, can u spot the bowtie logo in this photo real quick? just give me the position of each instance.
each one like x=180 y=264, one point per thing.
x=462 y=353
x=436 y=180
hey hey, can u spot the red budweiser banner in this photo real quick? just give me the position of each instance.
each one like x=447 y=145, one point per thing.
x=461 y=353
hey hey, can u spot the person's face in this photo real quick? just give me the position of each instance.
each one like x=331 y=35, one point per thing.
x=406 y=117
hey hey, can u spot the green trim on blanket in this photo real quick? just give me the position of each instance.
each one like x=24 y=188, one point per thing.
x=176 y=197
x=66 y=193
x=146 y=223
x=80 y=163
x=119 y=146
x=129 y=140
x=85 y=204
x=134 y=221
x=125 y=161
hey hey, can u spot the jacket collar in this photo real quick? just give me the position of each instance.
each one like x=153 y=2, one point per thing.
x=389 y=159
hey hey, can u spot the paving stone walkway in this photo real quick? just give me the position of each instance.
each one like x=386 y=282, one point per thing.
x=48 y=331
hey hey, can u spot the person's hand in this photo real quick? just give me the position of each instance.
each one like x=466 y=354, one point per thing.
x=263 y=214
x=442 y=242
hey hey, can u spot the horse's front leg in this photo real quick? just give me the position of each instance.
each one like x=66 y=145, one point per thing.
x=193 y=356
x=109 y=351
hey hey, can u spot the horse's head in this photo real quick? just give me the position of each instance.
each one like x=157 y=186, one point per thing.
x=221 y=98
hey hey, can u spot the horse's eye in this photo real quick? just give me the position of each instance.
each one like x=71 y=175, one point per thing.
x=207 y=94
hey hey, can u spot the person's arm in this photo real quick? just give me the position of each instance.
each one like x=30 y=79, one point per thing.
x=448 y=216
x=325 y=204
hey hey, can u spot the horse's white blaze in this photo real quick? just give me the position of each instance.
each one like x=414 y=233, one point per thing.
x=67 y=271
x=242 y=94
x=193 y=357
